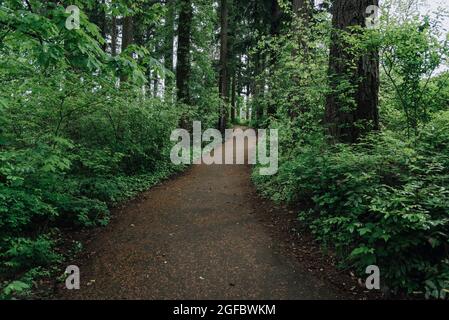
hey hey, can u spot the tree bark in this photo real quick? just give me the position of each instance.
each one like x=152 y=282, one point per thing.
x=98 y=16
x=114 y=36
x=223 y=76
x=128 y=32
x=155 y=75
x=258 y=87
x=168 y=47
x=233 y=97
x=274 y=31
x=247 y=105
x=346 y=122
x=127 y=38
x=183 y=56
x=275 y=18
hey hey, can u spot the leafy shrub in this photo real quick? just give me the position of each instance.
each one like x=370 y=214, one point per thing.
x=25 y=253
x=384 y=201
x=66 y=158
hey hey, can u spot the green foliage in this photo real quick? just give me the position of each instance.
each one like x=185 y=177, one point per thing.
x=384 y=200
x=72 y=141
x=25 y=253
x=82 y=129
x=14 y=288
x=411 y=54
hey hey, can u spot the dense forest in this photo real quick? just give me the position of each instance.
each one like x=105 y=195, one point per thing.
x=90 y=91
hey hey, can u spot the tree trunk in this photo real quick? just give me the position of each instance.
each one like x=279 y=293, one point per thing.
x=259 y=89
x=274 y=31
x=127 y=38
x=97 y=15
x=154 y=75
x=275 y=18
x=155 y=85
x=114 y=36
x=128 y=32
x=233 y=97
x=223 y=77
x=239 y=88
x=168 y=47
x=183 y=55
x=348 y=122
x=247 y=105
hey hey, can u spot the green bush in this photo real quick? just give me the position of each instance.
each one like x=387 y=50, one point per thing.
x=66 y=158
x=384 y=201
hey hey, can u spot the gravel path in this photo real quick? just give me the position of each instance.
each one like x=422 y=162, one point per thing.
x=197 y=236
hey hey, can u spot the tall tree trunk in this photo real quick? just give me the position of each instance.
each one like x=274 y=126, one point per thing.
x=128 y=32
x=347 y=122
x=223 y=76
x=155 y=85
x=233 y=97
x=155 y=75
x=183 y=56
x=114 y=36
x=98 y=16
x=275 y=18
x=104 y=26
x=239 y=87
x=259 y=89
x=247 y=105
x=274 y=31
x=254 y=86
x=127 y=37
x=168 y=47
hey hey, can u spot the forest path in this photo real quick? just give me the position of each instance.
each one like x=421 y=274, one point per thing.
x=201 y=235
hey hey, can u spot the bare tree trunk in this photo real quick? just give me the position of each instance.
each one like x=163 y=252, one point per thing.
x=274 y=31
x=239 y=88
x=255 y=86
x=183 y=64
x=223 y=77
x=248 y=95
x=259 y=88
x=114 y=36
x=128 y=32
x=233 y=97
x=346 y=122
x=127 y=37
x=97 y=15
x=155 y=85
x=275 y=18
x=168 y=49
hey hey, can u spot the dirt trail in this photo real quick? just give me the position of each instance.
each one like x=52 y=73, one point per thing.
x=197 y=236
